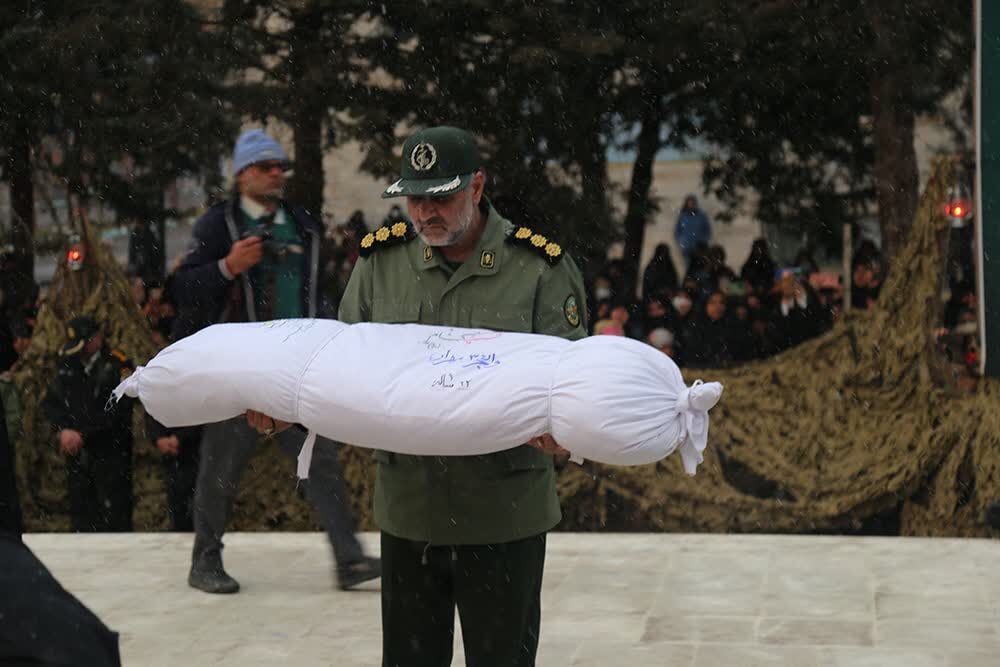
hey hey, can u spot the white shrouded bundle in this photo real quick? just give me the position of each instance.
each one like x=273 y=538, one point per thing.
x=440 y=391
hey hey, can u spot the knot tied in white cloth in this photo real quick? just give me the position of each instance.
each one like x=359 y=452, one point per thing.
x=129 y=386
x=692 y=407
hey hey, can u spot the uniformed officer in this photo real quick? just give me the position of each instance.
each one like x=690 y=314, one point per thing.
x=94 y=436
x=462 y=531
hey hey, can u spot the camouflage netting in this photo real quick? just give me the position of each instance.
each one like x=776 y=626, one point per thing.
x=857 y=431
x=98 y=289
x=268 y=496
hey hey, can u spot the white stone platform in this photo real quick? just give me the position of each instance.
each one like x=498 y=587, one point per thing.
x=620 y=600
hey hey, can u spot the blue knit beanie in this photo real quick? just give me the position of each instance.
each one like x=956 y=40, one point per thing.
x=256 y=146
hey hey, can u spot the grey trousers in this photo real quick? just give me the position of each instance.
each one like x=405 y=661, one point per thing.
x=226 y=448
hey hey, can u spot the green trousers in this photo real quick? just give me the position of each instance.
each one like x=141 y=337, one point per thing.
x=496 y=588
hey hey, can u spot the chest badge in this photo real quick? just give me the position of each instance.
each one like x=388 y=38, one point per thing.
x=488 y=259
x=572 y=311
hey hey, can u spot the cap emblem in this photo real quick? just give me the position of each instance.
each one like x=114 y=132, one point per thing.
x=423 y=157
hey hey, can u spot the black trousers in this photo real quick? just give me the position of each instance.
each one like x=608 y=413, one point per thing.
x=181 y=474
x=99 y=478
x=496 y=588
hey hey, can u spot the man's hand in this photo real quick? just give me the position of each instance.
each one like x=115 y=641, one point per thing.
x=169 y=445
x=265 y=425
x=244 y=255
x=547 y=444
x=70 y=441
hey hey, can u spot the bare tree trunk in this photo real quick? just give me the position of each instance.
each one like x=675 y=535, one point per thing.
x=306 y=188
x=896 y=177
x=638 y=196
x=594 y=171
x=22 y=201
x=308 y=112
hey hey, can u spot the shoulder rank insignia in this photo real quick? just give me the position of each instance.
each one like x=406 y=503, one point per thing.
x=386 y=235
x=126 y=367
x=523 y=236
x=121 y=357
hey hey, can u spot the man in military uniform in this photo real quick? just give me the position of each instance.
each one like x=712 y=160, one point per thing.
x=464 y=531
x=93 y=435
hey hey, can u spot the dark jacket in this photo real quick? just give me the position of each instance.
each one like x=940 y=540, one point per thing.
x=188 y=435
x=78 y=399
x=759 y=269
x=660 y=274
x=798 y=326
x=709 y=343
x=205 y=296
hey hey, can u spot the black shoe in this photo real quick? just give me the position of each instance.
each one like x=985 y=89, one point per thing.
x=212 y=579
x=352 y=574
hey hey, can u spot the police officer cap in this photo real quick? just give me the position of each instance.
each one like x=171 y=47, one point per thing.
x=78 y=331
x=436 y=162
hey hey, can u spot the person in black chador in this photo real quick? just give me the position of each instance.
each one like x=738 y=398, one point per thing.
x=40 y=622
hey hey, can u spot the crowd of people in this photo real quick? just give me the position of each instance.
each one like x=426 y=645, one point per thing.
x=256 y=257
x=710 y=316
x=706 y=316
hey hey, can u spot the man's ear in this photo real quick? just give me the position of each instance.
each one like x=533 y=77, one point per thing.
x=478 y=186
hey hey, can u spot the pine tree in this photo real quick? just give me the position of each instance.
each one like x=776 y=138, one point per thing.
x=117 y=99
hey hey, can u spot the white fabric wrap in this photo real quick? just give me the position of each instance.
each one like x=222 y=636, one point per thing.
x=439 y=391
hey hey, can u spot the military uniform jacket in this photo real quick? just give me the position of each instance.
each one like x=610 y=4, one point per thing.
x=516 y=281
x=78 y=399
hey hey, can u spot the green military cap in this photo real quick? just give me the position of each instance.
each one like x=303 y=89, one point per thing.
x=436 y=162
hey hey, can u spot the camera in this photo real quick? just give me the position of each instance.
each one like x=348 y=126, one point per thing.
x=271 y=246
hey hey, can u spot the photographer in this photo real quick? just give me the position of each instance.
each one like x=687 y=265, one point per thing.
x=256 y=258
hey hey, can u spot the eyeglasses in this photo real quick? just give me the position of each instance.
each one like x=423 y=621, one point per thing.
x=271 y=166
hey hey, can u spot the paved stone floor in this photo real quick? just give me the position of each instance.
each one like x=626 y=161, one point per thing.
x=621 y=600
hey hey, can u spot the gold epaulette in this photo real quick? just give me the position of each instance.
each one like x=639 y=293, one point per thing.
x=386 y=235
x=523 y=236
